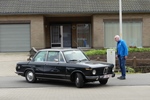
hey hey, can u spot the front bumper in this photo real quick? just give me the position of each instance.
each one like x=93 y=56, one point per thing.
x=106 y=76
x=20 y=73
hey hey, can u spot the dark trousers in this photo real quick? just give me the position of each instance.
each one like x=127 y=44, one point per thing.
x=122 y=62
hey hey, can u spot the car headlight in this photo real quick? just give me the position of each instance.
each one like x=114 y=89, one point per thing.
x=94 y=72
x=18 y=67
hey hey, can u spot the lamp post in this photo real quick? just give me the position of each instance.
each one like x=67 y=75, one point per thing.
x=120 y=17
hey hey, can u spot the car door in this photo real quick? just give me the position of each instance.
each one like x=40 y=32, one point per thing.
x=55 y=66
x=38 y=63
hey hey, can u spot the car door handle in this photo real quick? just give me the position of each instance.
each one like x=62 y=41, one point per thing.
x=70 y=68
x=54 y=70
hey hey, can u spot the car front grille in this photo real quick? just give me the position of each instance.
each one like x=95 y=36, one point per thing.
x=104 y=70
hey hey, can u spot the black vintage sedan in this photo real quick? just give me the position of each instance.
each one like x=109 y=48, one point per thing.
x=64 y=64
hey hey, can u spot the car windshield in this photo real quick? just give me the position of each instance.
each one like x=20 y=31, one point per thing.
x=75 y=55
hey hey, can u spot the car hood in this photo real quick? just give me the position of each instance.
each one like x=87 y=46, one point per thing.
x=94 y=64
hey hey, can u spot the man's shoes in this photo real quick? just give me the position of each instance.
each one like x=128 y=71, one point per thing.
x=121 y=78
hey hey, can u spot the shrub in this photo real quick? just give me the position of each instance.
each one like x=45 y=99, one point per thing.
x=130 y=70
x=138 y=49
x=95 y=52
x=104 y=51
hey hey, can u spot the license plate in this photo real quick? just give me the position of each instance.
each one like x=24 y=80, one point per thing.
x=106 y=76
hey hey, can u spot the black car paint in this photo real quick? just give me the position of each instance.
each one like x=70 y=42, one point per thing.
x=64 y=70
x=61 y=70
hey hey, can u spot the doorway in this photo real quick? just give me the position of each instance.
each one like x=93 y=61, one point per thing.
x=60 y=36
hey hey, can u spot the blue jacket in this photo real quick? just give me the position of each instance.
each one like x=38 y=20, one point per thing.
x=122 y=48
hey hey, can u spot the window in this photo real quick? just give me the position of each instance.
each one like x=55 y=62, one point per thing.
x=61 y=58
x=74 y=56
x=40 y=56
x=84 y=35
x=55 y=56
x=131 y=32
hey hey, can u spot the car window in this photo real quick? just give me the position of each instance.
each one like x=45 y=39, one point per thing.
x=61 y=58
x=40 y=56
x=74 y=56
x=53 y=56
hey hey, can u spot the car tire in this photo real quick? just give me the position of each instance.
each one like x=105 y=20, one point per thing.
x=103 y=81
x=79 y=82
x=30 y=76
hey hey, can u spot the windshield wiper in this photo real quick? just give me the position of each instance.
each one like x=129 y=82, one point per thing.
x=73 y=60
x=83 y=60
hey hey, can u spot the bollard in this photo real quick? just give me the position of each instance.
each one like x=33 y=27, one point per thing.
x=134 y=61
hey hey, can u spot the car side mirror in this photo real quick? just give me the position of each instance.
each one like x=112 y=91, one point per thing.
x=29 y=59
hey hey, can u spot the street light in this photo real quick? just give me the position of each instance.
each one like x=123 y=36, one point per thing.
x=120 y=18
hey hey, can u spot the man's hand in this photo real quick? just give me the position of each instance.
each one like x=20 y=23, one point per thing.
x=125 y=57
x=116 y=56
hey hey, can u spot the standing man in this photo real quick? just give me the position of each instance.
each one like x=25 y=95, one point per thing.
x=122 y=53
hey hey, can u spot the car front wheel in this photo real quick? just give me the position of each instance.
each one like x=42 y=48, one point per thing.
x=30 y=77
x=79 y=82
x=103 y=81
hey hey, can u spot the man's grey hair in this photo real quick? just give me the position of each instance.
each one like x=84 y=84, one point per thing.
x=117 y=36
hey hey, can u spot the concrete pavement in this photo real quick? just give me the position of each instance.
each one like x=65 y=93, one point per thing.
x=70 y=93
x=136 y=87
x=8 y=62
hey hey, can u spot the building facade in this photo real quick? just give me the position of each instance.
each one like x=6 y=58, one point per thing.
x=92 y=27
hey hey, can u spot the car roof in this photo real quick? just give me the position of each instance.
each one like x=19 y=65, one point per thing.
x=58 y=49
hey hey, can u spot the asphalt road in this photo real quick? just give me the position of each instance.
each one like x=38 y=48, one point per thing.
x=20 y=82
x=14 y=87
x=135 y=87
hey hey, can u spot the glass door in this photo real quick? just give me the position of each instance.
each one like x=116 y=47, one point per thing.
x=60 y=36
x=55 y=36
x=67 y=36
x=84 y=35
